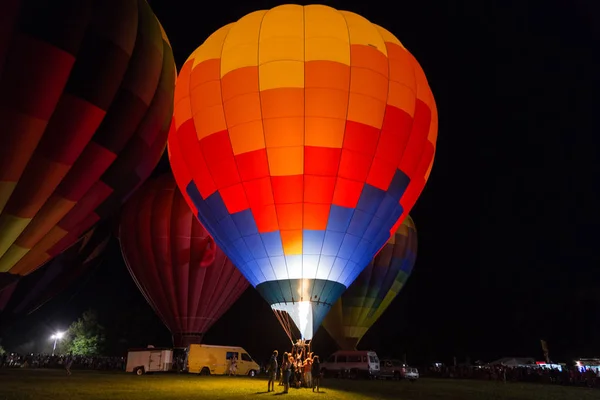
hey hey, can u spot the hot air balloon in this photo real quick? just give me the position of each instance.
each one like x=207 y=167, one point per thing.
x=86 y=92
x=41 y=286
x=301 y=136
x=185 y=277
x=373 y=291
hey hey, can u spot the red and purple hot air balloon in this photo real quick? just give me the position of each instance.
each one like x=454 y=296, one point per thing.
x=186 y=278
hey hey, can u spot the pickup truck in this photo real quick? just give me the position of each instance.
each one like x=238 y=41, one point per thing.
x=396 y=369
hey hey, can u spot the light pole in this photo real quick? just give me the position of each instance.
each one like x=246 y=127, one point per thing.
x=57 y=336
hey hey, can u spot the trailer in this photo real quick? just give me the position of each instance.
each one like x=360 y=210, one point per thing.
x=141 y=361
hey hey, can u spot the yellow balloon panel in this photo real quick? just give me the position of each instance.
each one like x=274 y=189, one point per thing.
x=212 y=48
x=326 y=35
x=281 y=74
x=240 y=47
x=363 y=32
x=282 y=35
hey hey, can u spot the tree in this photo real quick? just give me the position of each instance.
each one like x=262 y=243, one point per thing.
x=2 y=351
x=85 y=336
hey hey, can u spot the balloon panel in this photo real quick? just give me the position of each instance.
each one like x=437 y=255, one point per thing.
x=86 y=91
x=301 y=135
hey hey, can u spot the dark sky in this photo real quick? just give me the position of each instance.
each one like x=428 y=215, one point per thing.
x=508 y=223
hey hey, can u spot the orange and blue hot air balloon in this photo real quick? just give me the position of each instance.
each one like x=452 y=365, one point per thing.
x=302 y=137
x=86 y=101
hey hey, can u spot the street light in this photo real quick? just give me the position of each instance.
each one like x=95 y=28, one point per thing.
x=57 y=336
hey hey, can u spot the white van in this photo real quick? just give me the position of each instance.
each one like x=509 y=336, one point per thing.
x=207 y=359
x=351 y=364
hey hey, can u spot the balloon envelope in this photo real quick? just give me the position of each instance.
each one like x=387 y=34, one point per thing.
x=301 y=136
x=36 y=289
x=86 y=95
x=373 y=291
x=184 y=276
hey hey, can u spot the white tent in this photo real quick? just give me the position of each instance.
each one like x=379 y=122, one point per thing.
x=514 y=361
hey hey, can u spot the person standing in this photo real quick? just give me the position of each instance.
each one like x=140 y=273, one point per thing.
x=308 y=370
x=299 y=372
x=68 y=363
x=316 y=373
x=272 y=371
x=286 y=368
x=233 y=366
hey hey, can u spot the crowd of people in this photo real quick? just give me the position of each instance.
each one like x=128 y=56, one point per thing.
x=67 y=362
x=570 y=376
x=299 y=368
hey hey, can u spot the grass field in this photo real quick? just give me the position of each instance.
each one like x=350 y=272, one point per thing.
x=90 y=385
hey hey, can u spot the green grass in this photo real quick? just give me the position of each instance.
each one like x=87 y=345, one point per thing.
x=90 y=385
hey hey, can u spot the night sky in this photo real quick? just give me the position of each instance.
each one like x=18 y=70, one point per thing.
x=507 y=224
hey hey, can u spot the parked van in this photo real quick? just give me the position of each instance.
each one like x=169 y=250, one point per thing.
x=351 y=364
x=141 y=361
x=207 y=359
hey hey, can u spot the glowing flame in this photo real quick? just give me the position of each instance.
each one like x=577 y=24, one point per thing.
x=303 y=313
x=300 y=313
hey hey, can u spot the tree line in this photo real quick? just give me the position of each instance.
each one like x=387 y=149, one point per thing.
x=85 y=337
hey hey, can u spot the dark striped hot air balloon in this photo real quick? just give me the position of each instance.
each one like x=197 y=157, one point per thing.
x=301 y=137
x=375 y=288
x=86 y=93
x=185 y=277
